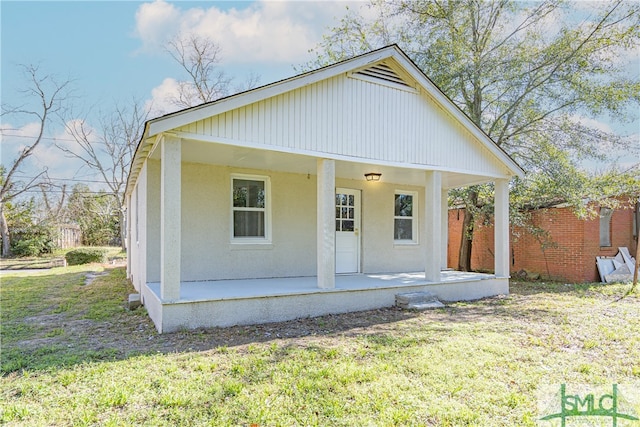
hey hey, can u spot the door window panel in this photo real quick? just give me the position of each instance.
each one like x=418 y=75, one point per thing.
x=345 y=212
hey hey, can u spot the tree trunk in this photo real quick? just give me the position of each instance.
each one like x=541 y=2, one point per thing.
x=466 y=243
x=4 y=232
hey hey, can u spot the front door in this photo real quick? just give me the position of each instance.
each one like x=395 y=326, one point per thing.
x=347 y=230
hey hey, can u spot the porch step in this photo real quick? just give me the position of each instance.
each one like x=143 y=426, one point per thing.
x=418 y=301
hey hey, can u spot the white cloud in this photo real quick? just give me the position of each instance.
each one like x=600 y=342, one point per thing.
x=154 y=21
x=273 y=31
x=592 y=123
x=160 y=97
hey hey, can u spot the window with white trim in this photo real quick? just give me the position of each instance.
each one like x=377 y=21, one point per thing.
x=405 y=217
x=250 y=200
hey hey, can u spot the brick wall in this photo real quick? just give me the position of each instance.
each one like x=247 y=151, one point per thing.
x=572 y=255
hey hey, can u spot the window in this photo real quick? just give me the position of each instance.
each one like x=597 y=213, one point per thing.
x=250 y=209
x=605 y=226
x=404 y=218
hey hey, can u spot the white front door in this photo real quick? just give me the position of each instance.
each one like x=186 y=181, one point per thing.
x=347 y=230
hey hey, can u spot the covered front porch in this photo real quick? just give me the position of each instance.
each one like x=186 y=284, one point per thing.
x=427 y=244
x=202 y=284
x=222 y=303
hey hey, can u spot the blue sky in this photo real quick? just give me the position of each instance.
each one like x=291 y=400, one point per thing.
x=101 y=47
x=113 y=51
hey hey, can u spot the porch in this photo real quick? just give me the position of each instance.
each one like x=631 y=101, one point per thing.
x=249 y=301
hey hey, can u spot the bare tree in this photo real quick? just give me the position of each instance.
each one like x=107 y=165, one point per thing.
x=53 y=208
x=108 y=150
x=50 y=96
x=200 y=57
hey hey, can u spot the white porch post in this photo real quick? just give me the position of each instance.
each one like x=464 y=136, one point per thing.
x=444 y=202
x=170 y=210
x=326 y=224
x=433 y=222
x=501 y=228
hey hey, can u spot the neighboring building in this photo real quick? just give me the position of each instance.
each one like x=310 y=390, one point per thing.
x=323 y=193
x=569 y=249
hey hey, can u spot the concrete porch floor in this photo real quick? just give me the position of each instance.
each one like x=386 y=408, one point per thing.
x=262 y=288
x=221 y=303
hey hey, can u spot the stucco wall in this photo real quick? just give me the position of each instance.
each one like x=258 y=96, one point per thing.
x=207 y=251
x=380 y=254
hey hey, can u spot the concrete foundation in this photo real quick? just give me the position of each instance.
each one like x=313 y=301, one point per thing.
x=242 y=302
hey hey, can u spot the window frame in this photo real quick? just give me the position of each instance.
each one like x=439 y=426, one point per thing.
x=414 y=218
x=605 y=217
x=267 y=210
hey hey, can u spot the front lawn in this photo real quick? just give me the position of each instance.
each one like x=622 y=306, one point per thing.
x=72 y=355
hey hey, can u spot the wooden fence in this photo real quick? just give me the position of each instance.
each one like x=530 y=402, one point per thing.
x=69 y=236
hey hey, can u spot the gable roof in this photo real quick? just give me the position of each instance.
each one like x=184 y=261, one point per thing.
x=373 y=65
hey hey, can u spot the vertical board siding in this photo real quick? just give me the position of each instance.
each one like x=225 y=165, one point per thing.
x=352 y=117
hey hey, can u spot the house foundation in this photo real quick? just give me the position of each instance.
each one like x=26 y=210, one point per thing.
x=243 y=302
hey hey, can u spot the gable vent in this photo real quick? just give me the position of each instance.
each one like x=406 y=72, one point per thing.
x=384 y=73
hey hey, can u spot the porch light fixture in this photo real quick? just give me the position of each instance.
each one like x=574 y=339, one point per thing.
x=373 y=176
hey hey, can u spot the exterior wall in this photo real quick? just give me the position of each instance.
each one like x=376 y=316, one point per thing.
x=621 y=236
x=208 y=254
x=351 y=117
x=144 y=227
x=207 y=251
x=379 y=252
x=137 y=232
x=572 y=255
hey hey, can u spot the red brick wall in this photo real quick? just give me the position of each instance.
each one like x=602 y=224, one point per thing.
x=571 y=257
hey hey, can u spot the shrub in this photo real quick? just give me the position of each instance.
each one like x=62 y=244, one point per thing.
x=85 y=256
x=33 y=241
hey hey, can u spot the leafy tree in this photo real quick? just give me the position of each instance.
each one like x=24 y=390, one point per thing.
x=29 y=236
x=523 y=72
x=50 y=96
x=97 y=214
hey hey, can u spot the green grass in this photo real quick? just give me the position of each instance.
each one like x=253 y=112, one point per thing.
x=72 y=355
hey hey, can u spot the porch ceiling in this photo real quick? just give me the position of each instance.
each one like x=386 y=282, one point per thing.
x=250 y=158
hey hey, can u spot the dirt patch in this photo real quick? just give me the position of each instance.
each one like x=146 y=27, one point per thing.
x=90 y=277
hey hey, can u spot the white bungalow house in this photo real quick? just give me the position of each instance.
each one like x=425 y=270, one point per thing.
x=322 y=193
